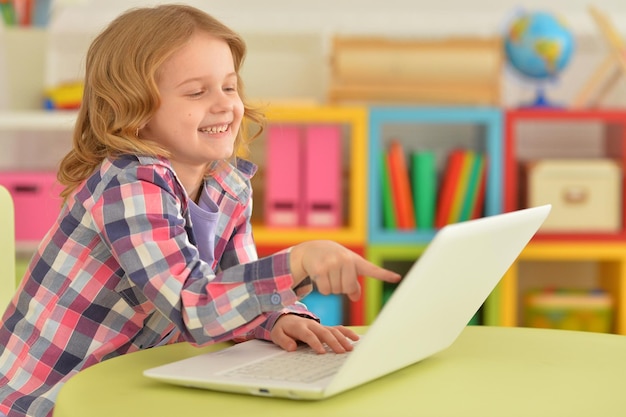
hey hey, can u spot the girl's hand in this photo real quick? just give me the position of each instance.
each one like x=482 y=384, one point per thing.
x=290 y=329
x=334 y=268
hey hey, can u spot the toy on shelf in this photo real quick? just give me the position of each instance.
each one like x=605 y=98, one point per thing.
x=569 y=310
x=538 y=47
x=67 y=96
x=610 y=69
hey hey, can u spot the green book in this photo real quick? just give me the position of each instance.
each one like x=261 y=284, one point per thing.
x=389 y=217
x=424 y=184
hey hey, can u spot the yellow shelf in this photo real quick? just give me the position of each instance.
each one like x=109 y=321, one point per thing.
x=611 y=259
x=272 y=236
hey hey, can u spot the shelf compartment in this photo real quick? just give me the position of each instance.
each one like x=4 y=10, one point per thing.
x=439 y=129
x=535 y=134
x=353 y=120
x=608 y=260
x=398 y=258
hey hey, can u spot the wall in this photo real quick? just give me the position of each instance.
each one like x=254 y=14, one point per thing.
x=289 y=40
x=421 y=17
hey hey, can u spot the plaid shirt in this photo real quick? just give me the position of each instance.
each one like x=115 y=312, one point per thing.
x=120 y=272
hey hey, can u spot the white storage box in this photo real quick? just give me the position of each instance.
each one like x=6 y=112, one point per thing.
x=586 y=194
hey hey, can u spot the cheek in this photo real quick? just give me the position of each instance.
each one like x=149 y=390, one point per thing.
x=239 y=110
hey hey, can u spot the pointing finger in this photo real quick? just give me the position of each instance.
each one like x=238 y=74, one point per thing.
x=374 y=271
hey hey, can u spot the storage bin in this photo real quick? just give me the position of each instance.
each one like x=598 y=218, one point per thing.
x=569 y=310
x=36 y=200
x=585 y=194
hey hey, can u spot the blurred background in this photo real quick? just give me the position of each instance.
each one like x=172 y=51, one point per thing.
x=290 y=41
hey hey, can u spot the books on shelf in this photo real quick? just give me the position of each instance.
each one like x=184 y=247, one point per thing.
x=389 y=215
x=479 y=203
x=424 y=198
x=400 y=187
x=475 y=189
x=463 y=188
x=449 y=184
x=424 y=185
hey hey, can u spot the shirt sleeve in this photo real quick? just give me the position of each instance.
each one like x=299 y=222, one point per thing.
x=242 y=249
x=138 y=216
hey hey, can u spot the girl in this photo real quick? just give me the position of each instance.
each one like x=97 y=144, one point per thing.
x=153 y=244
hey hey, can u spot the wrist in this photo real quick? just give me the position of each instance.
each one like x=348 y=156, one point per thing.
x=295 y=263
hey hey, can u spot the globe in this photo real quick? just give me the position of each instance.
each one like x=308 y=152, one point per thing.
x=538 y=45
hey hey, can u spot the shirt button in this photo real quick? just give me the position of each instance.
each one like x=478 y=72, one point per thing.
x=275 y=299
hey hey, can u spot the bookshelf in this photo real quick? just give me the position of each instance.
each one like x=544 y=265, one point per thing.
x=578 y=257
x=510 y=138
x=440 y=130
x=351 y=232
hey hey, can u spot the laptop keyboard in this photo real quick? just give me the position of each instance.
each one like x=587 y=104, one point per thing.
x=303 y=365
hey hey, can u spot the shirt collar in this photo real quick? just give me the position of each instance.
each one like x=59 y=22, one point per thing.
x=235 y=180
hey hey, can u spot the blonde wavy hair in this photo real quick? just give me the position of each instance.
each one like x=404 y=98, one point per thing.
x=121 y=93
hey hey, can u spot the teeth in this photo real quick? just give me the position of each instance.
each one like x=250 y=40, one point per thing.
x=215 y=129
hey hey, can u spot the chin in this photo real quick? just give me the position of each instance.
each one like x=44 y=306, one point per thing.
x=223 y=156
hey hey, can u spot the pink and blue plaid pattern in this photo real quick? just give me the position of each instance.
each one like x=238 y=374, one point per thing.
x=120 y=272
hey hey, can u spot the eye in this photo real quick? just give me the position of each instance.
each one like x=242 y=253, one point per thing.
x=230 y=88
x=196 y=94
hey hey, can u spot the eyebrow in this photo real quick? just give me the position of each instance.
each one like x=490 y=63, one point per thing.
x=200 y=79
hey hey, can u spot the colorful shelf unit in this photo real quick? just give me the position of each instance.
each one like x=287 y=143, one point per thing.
x=438 y=130
x=395 y=257
x=33 y=142
x=333 y=308
x=533 y=135
x=353 y=123
x=398 y=258
x=609 y=259
x=329 y=308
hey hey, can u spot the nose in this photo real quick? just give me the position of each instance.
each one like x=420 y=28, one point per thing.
x=221 y=102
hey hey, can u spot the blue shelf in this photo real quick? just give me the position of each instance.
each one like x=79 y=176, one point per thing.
x=480 y=128
x=329 y=308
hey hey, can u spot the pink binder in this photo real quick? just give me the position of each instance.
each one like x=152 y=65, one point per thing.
x=283 y=200
x=322 y=176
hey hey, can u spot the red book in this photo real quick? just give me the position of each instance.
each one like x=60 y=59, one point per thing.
x=449 y=184
x=400 y=187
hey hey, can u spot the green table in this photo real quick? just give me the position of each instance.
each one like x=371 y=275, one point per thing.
x=488 y=371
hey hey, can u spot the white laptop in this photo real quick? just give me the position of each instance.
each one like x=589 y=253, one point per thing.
x=425 y=314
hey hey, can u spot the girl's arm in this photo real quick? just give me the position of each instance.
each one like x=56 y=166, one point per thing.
x=138 y=216
x=242 y=249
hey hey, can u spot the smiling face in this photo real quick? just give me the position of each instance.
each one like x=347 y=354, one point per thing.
x=200 y=110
